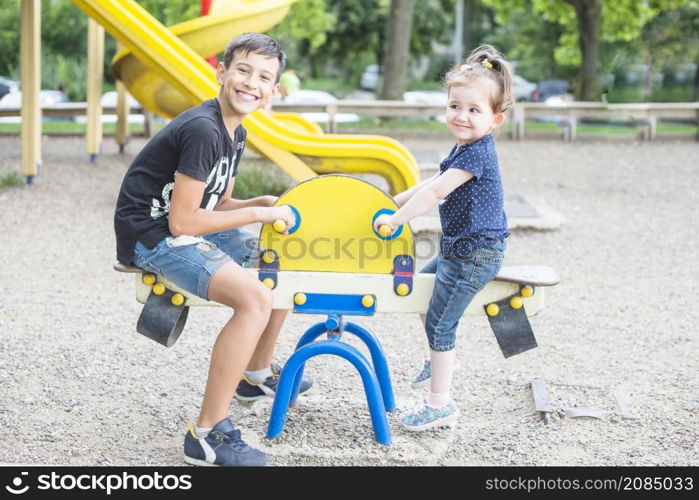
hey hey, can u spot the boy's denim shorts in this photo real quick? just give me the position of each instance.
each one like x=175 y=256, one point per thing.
x=191 y=261
x=456 y=282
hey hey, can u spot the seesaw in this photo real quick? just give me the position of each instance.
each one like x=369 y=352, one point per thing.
x=333 y=262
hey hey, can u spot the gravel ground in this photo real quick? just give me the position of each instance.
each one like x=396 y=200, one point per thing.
x=78 y=386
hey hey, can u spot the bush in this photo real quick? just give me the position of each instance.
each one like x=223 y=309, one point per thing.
x=70 y=72
x=668 y=93
x=260 y=178
x=11 y=179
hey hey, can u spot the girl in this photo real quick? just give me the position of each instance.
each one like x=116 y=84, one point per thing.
x=469 y=191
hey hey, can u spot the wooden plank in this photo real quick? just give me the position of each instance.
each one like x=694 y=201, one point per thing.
x=542 y=402
x=30 y=70
x=122 y=112
x=528 y=275
x=624 y=411
x=95 y=73
x=67 y=110
x=379 y=285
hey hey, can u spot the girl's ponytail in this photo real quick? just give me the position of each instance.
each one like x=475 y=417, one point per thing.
x=486 y=62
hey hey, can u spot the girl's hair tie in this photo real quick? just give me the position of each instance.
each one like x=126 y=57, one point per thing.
x=487 y=64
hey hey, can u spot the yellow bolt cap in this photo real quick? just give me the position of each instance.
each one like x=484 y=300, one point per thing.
x=177 y=299
x=402 y=289
x=148 y=279
x=516 y=302
x=368 y=301
x=279 y=226
x=299 y=298
x=268 y=257
x=492 y=309
x=159 y=289
x=268 y=282
x=527 y=291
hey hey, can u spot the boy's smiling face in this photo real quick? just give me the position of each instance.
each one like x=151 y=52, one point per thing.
x=248 y=84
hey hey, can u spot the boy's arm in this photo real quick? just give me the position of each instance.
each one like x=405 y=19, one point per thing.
x=402 y=198
x=428 y=196
x=186 y=217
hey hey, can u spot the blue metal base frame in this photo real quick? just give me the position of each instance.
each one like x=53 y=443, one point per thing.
x=376 y=379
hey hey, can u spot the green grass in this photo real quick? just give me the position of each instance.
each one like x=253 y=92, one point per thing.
x=373 y=124
x=69 y=127
x=338 y=87
x=663 y=94
x=376 y=124
x=676 y=128
x=584 y=128
x=11 y=179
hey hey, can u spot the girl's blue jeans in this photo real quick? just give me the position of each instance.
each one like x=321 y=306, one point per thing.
x=456 y=282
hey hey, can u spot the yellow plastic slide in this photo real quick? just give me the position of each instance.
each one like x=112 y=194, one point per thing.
x=165 y=70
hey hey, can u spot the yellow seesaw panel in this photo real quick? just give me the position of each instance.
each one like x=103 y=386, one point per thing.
x=336 y=231
x=380 y=286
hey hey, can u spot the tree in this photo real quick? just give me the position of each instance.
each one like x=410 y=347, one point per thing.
x=396 y=56
x=433 y=22
x=528 y=40
x=304 y=32
x=9 y=38
x=586 y=24
x=357 y=32
x=588 y=14
x=669 y=42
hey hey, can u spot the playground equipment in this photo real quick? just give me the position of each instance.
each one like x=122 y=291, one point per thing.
x=332 y=262
x=165 y=70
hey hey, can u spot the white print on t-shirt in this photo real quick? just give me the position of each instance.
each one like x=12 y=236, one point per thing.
x=157 y=210
x=219 y=175
x=217 y=181
x=216 y=185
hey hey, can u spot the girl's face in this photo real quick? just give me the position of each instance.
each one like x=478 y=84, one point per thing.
x=469 y=113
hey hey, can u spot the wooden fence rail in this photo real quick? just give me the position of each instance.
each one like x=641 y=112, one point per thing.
x=570 y=113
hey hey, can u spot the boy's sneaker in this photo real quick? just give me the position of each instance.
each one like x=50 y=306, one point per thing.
x=223 y=446
x=423 y=378
x=247 y=391
x=424 y=417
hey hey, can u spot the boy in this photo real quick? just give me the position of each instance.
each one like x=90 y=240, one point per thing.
x=175 y=217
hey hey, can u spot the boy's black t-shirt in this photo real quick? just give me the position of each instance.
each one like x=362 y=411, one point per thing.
x=195 y=143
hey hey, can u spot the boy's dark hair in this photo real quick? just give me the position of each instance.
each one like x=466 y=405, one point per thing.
x=258 y=44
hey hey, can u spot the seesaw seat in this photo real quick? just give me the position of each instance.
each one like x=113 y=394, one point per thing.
x=523 y=275
x=529 y=275
x=123 y=268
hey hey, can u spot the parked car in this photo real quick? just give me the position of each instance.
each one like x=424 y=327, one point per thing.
x=306 y=96
x=550 y=88
x=522 y=88
x=370 y=77
x=47 y=98
x=109 y=100
x=430 y=97
x=7 y=86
